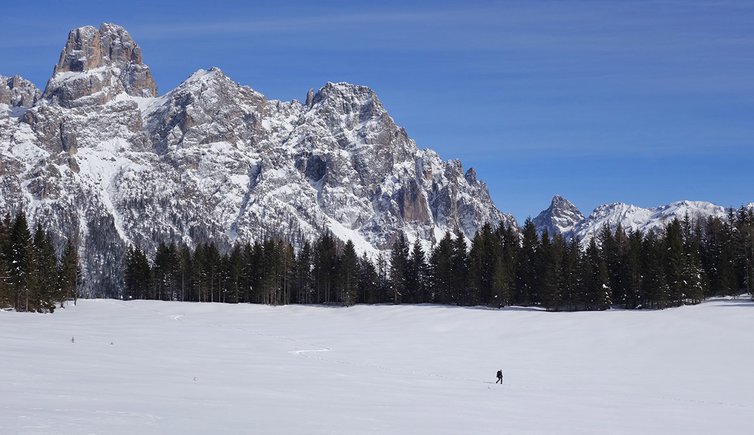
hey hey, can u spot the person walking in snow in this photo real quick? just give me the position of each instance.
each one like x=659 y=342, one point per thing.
x=499 y=376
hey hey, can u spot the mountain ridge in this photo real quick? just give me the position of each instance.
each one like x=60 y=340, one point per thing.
x=628 y=216
x=101 y=157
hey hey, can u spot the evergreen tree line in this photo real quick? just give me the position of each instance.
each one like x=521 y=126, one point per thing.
x=32 y=278
x=683 y=264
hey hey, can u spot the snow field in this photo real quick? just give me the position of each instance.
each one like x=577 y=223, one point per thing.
x=152 y=367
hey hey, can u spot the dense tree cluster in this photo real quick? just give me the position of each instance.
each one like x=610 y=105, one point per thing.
x=31 y=276
x=502 y=266
x=269 y=272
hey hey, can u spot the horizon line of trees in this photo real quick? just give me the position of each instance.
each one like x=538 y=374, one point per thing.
x=683 y=264
x=32 y=277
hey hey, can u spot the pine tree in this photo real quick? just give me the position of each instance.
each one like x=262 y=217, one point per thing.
x=69 y=275
x=674 y=263
x=526 y=261
x=165 y=272
x=596 y=280
x=506 y=243
x=418 y=274
x=483 y=257
x=743 y=247
x=551 y=269
x=349 y=267
x=399 y=262
x=303 y=275
x=717 y=257
x=441 y=271
x=234 y=264
x=459 y=267
x=570 y=281
x=137 y=274
x=325 y=261
x=631 y=275
x=45 y=269
x=5 y=226
x=185 y=273
x=368 y=281
x=613 y=248
x=21 y=262
x=654 y=288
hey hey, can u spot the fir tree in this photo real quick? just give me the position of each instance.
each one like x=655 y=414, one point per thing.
x=631 y=270
x=5 y=226
x=303 y=275
x=675 y=263
x=654 y=287
x=459 y=267
x=526 y=261
x=325 y=262
x=69 y=275
x=717 y=257
x=368 y=281
x=506 y=243
x=418 y=274
x=138 y=274
x=551 y=269
x=441 y=270
x=20 y=260
x=349 y=269
x=399 y=263
x=44 y=276
x=596 y=282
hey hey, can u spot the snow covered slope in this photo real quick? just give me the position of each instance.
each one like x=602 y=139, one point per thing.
x=643 y=219
x=146 y=367
x=100 y=156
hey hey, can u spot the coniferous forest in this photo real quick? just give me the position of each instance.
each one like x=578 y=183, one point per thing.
x=683 y=264
x=32 y=277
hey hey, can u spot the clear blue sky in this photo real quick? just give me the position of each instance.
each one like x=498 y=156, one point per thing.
x=644 y=102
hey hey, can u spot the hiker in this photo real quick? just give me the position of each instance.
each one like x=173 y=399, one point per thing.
x=499 y=376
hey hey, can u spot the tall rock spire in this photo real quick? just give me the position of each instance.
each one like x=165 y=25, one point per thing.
x=559 y=218
x=98 y=64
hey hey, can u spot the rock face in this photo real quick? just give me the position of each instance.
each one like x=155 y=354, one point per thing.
x=18 y=92
x=559 y=218
x=98 y=64
x=102 y=158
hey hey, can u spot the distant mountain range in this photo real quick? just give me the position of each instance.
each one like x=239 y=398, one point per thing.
x=562 y=217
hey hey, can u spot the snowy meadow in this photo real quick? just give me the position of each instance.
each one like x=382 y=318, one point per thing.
x=148 y=367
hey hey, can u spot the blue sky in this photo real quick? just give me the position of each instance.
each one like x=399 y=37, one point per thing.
x=644 y=102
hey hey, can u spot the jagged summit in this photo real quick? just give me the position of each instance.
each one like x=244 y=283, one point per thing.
x=98 y=64
x=559 y=218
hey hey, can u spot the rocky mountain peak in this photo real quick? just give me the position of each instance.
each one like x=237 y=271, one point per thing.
x=18 y=92
x=559 y=218
x=348 y=98
x=98 y=64
x=88 y=48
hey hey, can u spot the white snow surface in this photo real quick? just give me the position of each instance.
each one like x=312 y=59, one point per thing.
x=148 y=367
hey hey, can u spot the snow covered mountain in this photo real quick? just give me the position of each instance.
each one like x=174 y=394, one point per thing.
x=634 y=218
x=101 y=157
x=562 y=217
x=559 y=218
